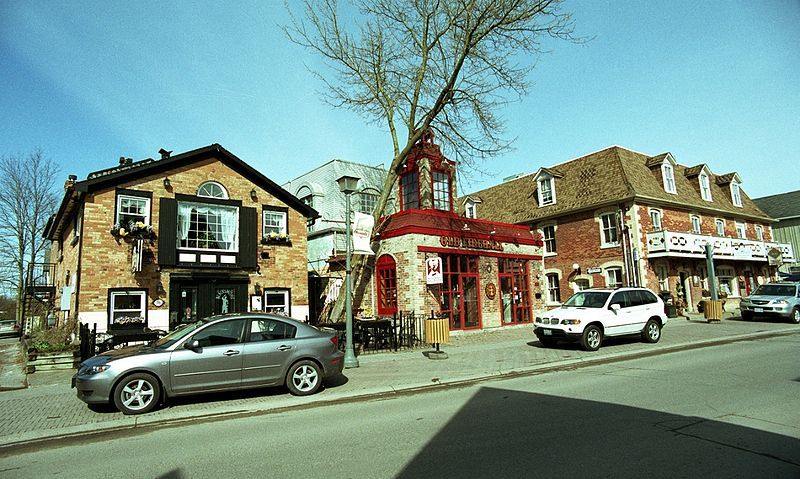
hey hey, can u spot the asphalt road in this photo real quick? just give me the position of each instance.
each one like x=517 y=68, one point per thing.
x=723 y=411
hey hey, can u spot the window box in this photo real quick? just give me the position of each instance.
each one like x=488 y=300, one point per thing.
x=133 y=229
x=276 y=238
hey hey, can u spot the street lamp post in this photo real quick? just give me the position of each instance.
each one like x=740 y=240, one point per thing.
x=347 y=185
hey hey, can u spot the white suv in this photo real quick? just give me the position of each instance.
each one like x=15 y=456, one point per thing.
x=589 y=315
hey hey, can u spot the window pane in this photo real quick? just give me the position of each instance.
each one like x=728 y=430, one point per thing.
x=410 y=191
x=367 y=202
x=274 y=222
x=441 y=191
x=208 y=226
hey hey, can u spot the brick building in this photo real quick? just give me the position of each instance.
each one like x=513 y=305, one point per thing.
x=481 y=274
x=156 y=243
x=618 y=217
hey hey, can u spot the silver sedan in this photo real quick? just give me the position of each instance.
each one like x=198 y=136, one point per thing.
x=228 y=352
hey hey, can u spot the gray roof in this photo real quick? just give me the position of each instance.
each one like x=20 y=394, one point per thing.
x=782 y=206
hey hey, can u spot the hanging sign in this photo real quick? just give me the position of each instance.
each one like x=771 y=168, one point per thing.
x=362 y=234
x=433 y=268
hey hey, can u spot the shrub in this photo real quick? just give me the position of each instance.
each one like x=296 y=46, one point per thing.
x=56 y=339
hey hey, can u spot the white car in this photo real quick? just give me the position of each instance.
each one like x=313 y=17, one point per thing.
x=589 y=315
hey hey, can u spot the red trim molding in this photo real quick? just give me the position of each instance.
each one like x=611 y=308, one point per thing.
x=475 y=252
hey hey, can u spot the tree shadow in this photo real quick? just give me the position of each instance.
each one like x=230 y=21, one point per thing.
x=504 y=433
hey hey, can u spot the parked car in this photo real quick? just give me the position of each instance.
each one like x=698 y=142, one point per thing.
x=226 y=352
x=9 y=327
x=592 y=314
x=777 y=300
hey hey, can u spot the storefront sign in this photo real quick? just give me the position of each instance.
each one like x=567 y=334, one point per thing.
x=362 y=232
x=491 y=291
x=594 y=270
x=475 y=243
x=433 y=268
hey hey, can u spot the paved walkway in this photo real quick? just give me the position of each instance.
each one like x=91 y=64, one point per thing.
x=46 y=406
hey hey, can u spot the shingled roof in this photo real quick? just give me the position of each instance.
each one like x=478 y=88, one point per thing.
x=782 y=206
x=608 y=177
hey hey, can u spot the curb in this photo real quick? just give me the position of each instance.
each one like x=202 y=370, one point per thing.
x=140 y=424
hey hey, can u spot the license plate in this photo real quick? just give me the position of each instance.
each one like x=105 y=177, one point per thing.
x=758 y=310
x=547 y=332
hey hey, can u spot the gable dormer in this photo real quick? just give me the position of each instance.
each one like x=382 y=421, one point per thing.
x=734 y=183
x=471 y=206
x=545 y=180
x=666 y=163
x=703 y=175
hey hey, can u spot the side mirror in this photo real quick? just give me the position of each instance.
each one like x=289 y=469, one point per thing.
x=616 y=307
x=192 y=344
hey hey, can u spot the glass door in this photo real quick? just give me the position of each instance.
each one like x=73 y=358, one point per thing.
x=188 y=301
x=470 y=311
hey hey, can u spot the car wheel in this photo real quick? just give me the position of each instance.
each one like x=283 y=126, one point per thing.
x=651 y=332
x=548 y=342
x=137 y=394
x=592 y=337
x=303 y=378
x=747 y=315
x=795 y=316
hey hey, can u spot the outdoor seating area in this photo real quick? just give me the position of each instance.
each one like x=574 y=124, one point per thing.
x=402 y=331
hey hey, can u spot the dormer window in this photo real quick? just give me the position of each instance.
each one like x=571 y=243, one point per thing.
x=668 y=175
x=471 y=209
x=212 y=189
x=705 y=186
x=736 y=195
x=441 y=190
x=547 y=191
x=409 y=189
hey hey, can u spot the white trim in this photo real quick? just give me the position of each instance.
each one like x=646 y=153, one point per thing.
x=668 y=177
x=147 y=208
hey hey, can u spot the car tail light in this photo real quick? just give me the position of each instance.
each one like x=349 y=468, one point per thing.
x=335 y=340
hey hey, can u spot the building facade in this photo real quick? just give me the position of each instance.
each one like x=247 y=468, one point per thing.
x=785 y=208
x=157 y=243
x=617 y=217
x=480 y=274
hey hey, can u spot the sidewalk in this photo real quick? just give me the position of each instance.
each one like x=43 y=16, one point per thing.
x=48 y=408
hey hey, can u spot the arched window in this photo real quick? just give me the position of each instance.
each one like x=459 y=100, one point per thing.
x=367 y=200
x=304 y=193
x=386 y=276
x=212 y=189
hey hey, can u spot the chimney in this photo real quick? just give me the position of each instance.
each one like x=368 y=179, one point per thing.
x=164 y=153
x=70 y=182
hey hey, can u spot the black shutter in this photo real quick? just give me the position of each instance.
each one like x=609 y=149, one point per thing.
x=167 y=231
x=248 y=237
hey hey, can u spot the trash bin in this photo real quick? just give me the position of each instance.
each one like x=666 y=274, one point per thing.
x=437 y=331
x=712 y=310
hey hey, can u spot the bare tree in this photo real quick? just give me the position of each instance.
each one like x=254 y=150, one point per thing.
x=28 y=200
x=448 y=66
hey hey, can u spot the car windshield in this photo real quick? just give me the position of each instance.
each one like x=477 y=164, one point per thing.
x=178 y=334
x=587 y=299
x=775 y=290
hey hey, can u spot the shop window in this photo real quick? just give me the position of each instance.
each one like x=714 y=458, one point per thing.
x=549 y=238
x=655 y=219
x=720 y=225
x=441 y=190
x=728 y=284
x=208 y=227
x=514 y=291
x=609 y=235
x=553 y=288
x=367 y=200
x=695 y=224
x=386 y=276
x=705 y=186
x=614 y=277
x=277 y=301
x=668 y=175
x=212 y=189
x=132 y=209
x=128 y=308
x=409 y=191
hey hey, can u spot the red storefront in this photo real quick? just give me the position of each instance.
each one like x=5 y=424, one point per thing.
x=481 y=274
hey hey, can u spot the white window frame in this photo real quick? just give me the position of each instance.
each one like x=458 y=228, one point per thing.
x=668 y=175
x=759 y=232
x=697 y=224
x=551 y=188
x=719 y=224
x=206 y=185
x=705 y=186
x=144 y=199
x=234 y=247
x=736 y=194
x=141 y=311
x=286 y=305
x=545 y=239
x=608 y=278
x=741 y=230
x=471 y=209
x=604 y=229
x=655 y=219
x=553 y=286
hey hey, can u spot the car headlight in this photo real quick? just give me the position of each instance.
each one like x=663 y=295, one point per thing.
x=571 y=321
x=781 y=302
x=538 y=319
x=99 y=368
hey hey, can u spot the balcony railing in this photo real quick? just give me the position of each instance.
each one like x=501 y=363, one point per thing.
x=689 y=245
x=40 y=276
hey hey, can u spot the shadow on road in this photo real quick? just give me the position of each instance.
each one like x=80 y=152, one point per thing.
x=503 y=433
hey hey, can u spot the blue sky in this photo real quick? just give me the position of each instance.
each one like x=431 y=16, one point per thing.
x=715 y=82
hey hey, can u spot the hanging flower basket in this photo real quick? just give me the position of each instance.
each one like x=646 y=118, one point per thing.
x=134 y=229
x=276 y=238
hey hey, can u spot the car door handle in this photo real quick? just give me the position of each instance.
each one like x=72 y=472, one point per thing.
x=231 y=352
x=284 y=348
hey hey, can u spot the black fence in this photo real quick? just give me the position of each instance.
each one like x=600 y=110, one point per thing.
x=88 y=341
x=404 y=330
